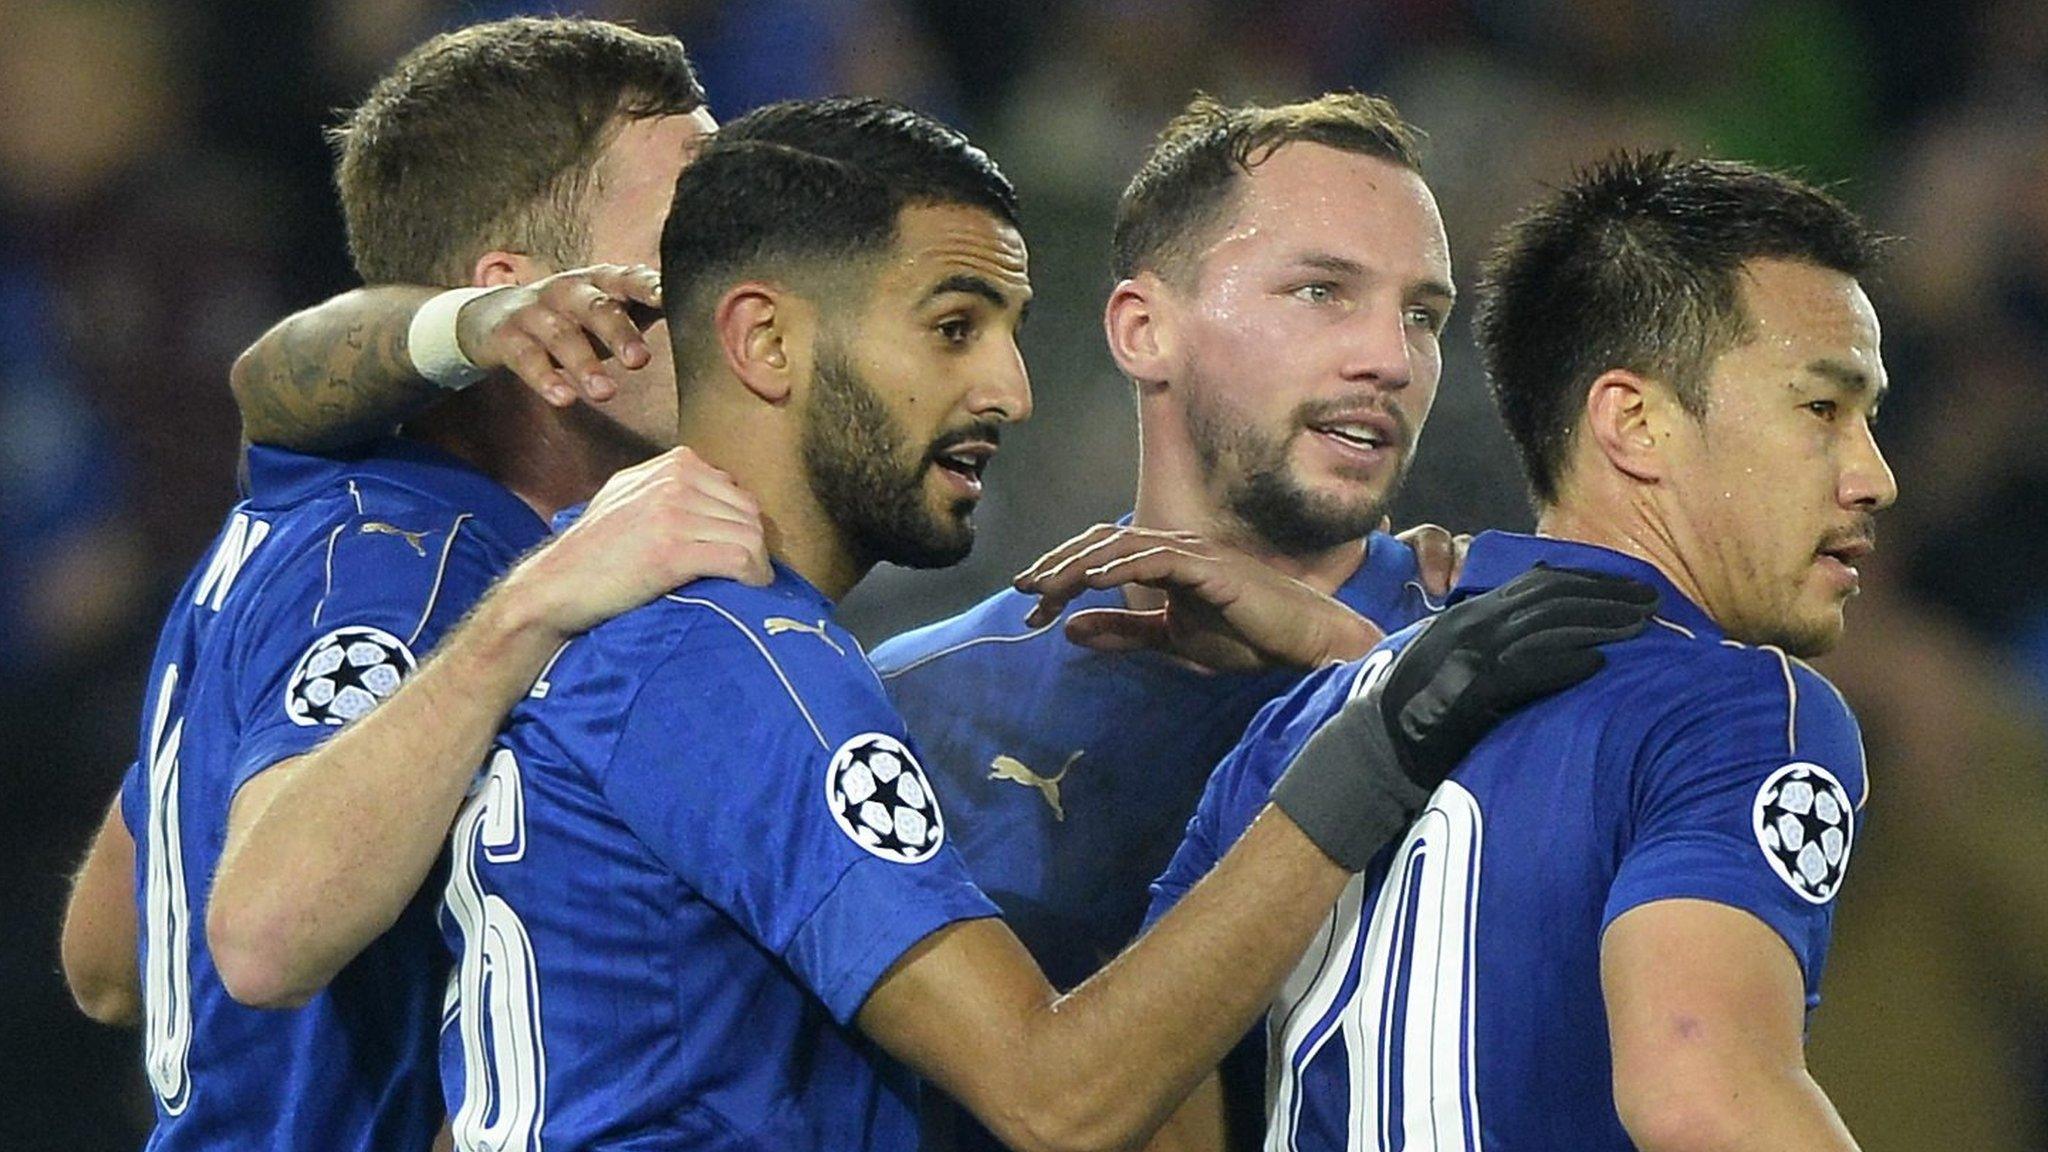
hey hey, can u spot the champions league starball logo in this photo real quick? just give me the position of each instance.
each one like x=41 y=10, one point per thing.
x=345 y=674
x=879 y=797
x=1805 y=825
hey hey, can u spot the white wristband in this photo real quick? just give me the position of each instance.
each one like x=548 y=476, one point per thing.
x=430 y=341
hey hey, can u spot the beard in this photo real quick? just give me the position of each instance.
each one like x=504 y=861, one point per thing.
x=1259 y=487
x=854 y=459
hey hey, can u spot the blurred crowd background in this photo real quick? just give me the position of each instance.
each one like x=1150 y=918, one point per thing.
x=164 y=195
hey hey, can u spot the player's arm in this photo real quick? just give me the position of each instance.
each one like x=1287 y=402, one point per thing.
x=325 y=850
x=1109 y=1061
x=1104 y=1065
x=341 y=372
x=98 y=946
x=1200 y=1124
x=1705 y=1010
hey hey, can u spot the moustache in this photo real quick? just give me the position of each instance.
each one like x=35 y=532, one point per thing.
x=988 y=432
x=1362 y=408
x=1861 y=533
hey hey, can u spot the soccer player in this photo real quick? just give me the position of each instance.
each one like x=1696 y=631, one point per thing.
x=703 y=896
x=330 y=582
x=1607 y=929
x=1284 y=279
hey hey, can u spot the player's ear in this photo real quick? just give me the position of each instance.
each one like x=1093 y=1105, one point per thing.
x=753 y=324
x=1628 y=422
x=1139 y=326
x=497 y=268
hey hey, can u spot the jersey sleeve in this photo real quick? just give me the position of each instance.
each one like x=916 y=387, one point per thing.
x=335 y=631
x=1750 y=799
x=1238 y=788
x=826 y=849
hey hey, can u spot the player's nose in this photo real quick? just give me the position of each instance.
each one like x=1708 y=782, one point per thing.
x=1867 y=481
x=1002 y=389
x=1377 y=350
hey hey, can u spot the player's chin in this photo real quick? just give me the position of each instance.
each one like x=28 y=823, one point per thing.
x=944 y=539
x=1814 y=631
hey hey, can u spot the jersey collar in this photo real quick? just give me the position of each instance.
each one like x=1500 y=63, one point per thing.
x=278 y=477
x=1498 y=557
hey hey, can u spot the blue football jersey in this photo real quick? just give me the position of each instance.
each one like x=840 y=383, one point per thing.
x=1070 y=773
x=701 y=841
x=1453 y=999
x=321 y=592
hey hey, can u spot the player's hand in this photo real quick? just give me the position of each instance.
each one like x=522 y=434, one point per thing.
x=1439 y=556
x=1374 y=764
x=556 y=334
x=652 y=527
x=1224 y=611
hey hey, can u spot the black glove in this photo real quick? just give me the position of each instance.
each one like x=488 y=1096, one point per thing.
x=1369 y=769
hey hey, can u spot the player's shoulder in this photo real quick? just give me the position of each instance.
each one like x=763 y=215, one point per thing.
x=1677 y=668
x=1709 y=700
x=993 y=628
x=782 y=633
x=723 y=662
x=408 y=495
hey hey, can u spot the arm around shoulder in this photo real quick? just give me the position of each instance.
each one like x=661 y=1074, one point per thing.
x=334 y=374
x=1109 y=1062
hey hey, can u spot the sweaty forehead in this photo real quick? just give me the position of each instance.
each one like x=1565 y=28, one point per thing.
x=1801 y=311
x=938 y=241
x=1309 y=197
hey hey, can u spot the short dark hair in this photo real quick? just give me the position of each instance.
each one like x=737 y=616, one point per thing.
x=1635 y=264
x=1187 y=181
x=809 y=186
x=486 y=137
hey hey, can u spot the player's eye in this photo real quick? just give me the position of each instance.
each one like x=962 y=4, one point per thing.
x=1319 y=292
x=955 y=329
x=1430 y=319
x=1825 y=409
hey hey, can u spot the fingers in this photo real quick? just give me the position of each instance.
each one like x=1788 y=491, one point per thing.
x=1543 y=583
x=1543 y=652
x=1119 y=630
x=1054 y=560
x=638 y=283
x=1437 y=558
x=557 y=335
x=1105 y=557
x=1538 y=676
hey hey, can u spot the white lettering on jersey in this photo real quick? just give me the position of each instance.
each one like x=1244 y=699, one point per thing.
x=236 y=544
x=1394 y=980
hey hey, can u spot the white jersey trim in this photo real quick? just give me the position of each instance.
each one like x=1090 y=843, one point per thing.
x=440 y=572
x=765 y=655
x=327 y=584
x=962 y=646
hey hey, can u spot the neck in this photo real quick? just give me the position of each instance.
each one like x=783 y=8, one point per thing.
x=1626 y=523
x=761 y=451
x=550 y=459
x=1175 y=495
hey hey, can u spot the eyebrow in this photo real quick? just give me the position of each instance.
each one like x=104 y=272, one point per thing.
x=974 y=286
x=1341 y=266
x=1847 y=377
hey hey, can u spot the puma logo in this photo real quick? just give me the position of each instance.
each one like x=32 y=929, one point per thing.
x=777 y=625
x=1017 y=772
x=379 y=528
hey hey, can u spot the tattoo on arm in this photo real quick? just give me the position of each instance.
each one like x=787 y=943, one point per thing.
x=333 y=375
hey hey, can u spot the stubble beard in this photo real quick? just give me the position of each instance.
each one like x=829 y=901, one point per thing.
x=853 y=452
x=1260 y=490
